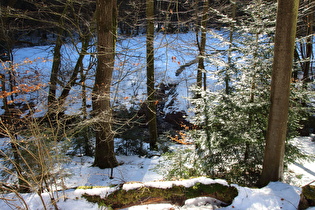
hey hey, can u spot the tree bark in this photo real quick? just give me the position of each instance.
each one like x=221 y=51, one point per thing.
x=106 y=29
x=232 y=29
x=66 y=90
x=280 y=91
x=308 y=46
x=54 y=74
x=150 y=75
x=52 y=97
x=201 y=75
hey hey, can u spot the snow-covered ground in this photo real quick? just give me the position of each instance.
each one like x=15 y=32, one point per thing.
x=274 y=196
x=302 y=173
x=135 y=172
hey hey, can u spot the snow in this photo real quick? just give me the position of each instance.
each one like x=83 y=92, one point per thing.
x=102 y=192
x=276 y=195
x=169 y=184
x=302 y=173
x=136 y=171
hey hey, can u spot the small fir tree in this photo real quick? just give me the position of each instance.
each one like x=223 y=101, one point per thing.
x=232 y=124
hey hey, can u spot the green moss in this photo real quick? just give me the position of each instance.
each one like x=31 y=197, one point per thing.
x=309 y=192
x=221 y=192
x=307 y=197
x=176 y=195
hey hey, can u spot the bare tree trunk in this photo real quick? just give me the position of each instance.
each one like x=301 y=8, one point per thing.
x=7 y=42
x=54 y=76
x=52 y=97
x=150 y=75
x=88 y=148
x=3 y=89
x=227 y=76
x=308 y=46
x=280 y=91
x=201 y=75
x=66 y=90
x=106 y=31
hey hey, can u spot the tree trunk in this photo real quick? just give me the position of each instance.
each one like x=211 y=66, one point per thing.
x=227 y=74
x=150 y=75
x=308 y=46
x=54 y=77
x=66 y=90
x=52 y=97
x=105 y=18
x=280 y=91
x=7 y=42
x=88 y=148
x=202 y=47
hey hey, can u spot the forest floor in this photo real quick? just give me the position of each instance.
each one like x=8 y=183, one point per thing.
x=137 y=171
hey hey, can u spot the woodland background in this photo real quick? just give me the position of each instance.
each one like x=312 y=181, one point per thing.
x=196 y=74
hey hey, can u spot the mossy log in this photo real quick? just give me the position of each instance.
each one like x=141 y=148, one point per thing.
x=174 y=195
x=307 y=197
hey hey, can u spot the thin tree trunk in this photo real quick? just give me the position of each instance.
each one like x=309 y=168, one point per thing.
x=3 y=89
x=308 y=46
x=202 y=46
x=88 y=148
x=52 y=97
x=150 y=75
x=227 y=75
x=280 y=91
x=66 y=90
x=106 y=29
x=54 y=76
x=7 y=42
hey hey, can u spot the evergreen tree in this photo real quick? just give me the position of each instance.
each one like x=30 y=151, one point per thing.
x=232 y=124
x=234 y=121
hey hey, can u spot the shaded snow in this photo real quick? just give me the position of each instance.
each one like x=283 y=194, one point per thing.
x=135 y=172
x=303 y=172
x=276 y=195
